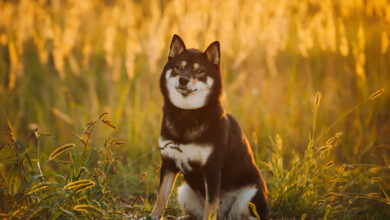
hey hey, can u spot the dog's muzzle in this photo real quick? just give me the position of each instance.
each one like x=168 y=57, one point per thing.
x=184 y=90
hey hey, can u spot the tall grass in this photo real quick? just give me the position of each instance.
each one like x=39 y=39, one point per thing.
x=315 y=186
x=30 y=190
x=64 y=62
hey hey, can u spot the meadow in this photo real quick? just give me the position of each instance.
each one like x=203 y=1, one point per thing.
x=80 y=105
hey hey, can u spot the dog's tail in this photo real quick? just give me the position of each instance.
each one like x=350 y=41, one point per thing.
x=260 y=202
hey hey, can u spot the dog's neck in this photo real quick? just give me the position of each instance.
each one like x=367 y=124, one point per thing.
x=209 y=111
x=186 y=125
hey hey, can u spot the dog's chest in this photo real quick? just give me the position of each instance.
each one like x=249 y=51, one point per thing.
x=185 y=154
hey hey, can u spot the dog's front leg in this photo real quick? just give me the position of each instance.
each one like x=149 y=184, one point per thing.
x=212 y=183
x=167 y=181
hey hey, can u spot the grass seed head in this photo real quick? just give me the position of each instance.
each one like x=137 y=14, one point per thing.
x=325 y=148
x=83 y=187
x=317 y=99
x=329 y=164
x=376 y=94
x=38 y=187
x=108 y=123
x=10 y=133
x=79 y=183
x=338 y=135
x=375 y=170
x=88 y=209
x=330 y=141
x=60 y=150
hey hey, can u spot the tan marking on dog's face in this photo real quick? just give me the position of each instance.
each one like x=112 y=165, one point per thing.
x=183 y=63
x=196 y=65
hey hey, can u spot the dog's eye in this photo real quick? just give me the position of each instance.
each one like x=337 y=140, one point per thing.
x=178 y=67
x=199 y=72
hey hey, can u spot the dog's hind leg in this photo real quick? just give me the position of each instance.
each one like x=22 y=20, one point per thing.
x=259 y=200
x=190 y=202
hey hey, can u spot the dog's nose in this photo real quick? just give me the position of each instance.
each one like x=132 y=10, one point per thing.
x=183 y=80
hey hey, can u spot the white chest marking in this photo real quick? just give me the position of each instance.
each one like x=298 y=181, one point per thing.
x=184 y=153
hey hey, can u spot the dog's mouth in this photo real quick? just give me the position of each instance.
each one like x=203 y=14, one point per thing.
x=184 y=91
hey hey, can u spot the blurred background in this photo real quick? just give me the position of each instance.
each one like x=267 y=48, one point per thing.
x=64 y=62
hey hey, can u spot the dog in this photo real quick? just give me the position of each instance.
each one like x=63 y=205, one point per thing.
x=205 y=144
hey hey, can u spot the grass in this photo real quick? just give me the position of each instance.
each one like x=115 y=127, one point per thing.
x=82 y=190
x=307 y=80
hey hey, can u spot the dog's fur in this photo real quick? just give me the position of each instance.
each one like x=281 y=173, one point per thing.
x=204 y=143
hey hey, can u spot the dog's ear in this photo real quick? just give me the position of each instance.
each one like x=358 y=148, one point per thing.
x=213 y=53
x=177 y=46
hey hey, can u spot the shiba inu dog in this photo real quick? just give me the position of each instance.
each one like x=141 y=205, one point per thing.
x=204 y=143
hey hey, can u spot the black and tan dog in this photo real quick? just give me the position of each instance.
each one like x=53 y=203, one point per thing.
x=204 y=143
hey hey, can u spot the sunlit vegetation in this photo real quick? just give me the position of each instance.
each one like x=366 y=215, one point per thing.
x=308 y=81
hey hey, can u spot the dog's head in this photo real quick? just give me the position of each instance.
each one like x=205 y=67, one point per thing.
x=191 y=79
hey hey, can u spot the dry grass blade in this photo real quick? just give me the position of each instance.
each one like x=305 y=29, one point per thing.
x=82 y=170
x=20 y=210
x=80 y=139
x=60 y=150
x=34 y=214
x=82 y=198
x=176 y=148
x=334 y=194
x=376 y=94
x=253 y=209
x=373 y=195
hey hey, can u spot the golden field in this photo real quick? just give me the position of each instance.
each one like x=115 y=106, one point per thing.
x=308 y=81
